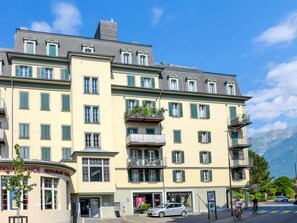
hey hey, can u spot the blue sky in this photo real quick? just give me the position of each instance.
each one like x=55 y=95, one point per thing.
x=256 y=40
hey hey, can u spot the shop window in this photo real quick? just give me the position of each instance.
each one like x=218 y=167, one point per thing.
x=181 y=197
x=49 y=193
x=95 y=170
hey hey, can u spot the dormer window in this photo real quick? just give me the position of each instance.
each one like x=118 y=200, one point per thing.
x=87 y=48
x=211 y=86
x=126 y=55
x=192 y=84
x=142 y=57
x=52 y=47
x=230 y=87
x=29 y=45
x=173 y=83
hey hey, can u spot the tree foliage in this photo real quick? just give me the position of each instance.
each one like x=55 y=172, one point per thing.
x=259 y=174
x=284 y=186
x=18 y=184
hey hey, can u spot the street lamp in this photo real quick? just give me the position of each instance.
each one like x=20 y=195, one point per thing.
x=295 y=166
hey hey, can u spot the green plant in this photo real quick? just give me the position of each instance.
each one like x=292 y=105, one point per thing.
x=145 y=206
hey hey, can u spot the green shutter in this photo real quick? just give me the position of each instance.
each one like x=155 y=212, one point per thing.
x=142 y=81
x=210 y=175
x=180 y=105
x=183 y=176
x=52 y=50
x=182 y=156
x=24 y=100
x=173 y=156
x=65 y=102
x=131 y=81
x=170 y=109
x=201 y=157
x=130 y=175
x=176 y=136
x=45 y=102
x=40 y=72
x=209 y=137
x=140 y=172
x=232 y=112
x=64 y=74
x=17 y=70
x=207 y=112
x=201 y=176
x=209 y=157
x=30 y=71
x=153 y=82
x=127 y=104
x=199 y=136
x=66 y=133
x=174 y=175
x=193 y=111
x=154 y=104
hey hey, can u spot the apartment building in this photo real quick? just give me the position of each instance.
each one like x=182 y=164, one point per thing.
x=101 y=125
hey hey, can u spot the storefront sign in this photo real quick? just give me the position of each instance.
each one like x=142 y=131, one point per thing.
x=34 y=169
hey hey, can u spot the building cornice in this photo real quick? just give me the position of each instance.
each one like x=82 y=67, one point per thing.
x=89 y=55
x=137 y=67
x=14 y=54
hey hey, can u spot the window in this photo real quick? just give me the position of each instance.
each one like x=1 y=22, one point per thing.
x=152 y=175
x=131 y=81
x=92 y=140
x=87 y=49
x=91 y=114
x=200 y=111
x=65 y=102
x=91 y=85
x=192 y=86
x=211 y=86
x=237 y=155
x=66 y=132
x=65 y=76
x=7 y=197
x=24 y=131
x=132 y=131
x=45 y=131
x=46 y=153
x=175 y=109
x=23 y=71
x=95 y=170
x=45 y=73
x=205 y=157
x=238 y=174
x=142 y=59
x=24 y=100
x=66 y=153
x=49 y=193
x=135 y=175
x=44 y=102
x=178 y=156
x=30 y=46
x=151 y=104
x=150 y=131
x=178 y=176
x=173 y=84
x=230 y=87
x=130 y=103
x=204 y=137
x=126 y=56
x=24 y=152
x=52 y=49
x=147 y=82
x=176 y=136
x=206 y=175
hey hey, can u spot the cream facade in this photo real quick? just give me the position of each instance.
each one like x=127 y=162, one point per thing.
x=99 y=124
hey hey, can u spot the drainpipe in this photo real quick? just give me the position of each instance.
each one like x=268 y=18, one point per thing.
x=12 y=131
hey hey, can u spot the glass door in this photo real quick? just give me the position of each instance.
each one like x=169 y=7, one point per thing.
x=156 y=199
x=94 y=204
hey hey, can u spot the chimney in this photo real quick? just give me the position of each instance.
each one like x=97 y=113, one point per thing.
x=107 y=30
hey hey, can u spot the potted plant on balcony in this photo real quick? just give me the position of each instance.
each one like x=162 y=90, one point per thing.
x=244 y=117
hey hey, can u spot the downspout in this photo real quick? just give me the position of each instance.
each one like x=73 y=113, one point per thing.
x=12 y=124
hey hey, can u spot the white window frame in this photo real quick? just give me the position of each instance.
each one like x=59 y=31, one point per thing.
x=142 y=59
x=1 y=67
x=230 y=89
x=48 y=46
x=204 y=137
x=89 y=116
x=179 y=176
x=53 y=190
x=211 y=87
x=89 y=83
x=194 y=89
x=173 y=87
x=92 y=140
x=88 y=49
x=48 y=73
x=206 y=175
x=129 y=57
x=24 y=71
x=30 y=41
x=202 y=111
x=102 y=163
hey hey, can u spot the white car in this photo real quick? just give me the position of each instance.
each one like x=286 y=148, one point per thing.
x=281 y=199
x=168 y=209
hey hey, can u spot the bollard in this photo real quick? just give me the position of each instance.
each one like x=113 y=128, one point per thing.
x=124 y=212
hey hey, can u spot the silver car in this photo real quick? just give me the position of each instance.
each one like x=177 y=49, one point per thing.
x=168 y=209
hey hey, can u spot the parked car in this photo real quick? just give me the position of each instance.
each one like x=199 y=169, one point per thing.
x=168 y=209
x=281 y=199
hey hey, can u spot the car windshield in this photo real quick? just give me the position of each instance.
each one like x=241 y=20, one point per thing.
x=162 y=206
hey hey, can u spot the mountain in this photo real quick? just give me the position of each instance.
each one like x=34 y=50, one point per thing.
x=278 y=147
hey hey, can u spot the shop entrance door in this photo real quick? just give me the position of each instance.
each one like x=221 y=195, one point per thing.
x=156 y=199
x=94 y=210
x=90 y=207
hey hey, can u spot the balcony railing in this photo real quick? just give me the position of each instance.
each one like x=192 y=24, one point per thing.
x=236 y=144
x=145 y=140
x=2 y=106
x=144 y=114
x=241 y=163
x=239 y=121
x=146 y=164
x=2 y=136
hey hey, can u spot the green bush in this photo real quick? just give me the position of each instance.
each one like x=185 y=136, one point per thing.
x=145 y=207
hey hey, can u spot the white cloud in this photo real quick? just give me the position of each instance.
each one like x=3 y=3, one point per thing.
x=269 y=127
x=286 y=31
x=157 y=12
x=279 y=97
x=67 y=20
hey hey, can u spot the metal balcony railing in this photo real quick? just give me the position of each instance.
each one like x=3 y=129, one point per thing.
x=236 y=143
x=241 y=163
x=239 y=121
x=153 y=118
x=146 y=140
x=145 y=163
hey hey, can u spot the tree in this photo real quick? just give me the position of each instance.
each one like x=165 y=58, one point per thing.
x=259 y=174
x=18 y=184
x=284 y=186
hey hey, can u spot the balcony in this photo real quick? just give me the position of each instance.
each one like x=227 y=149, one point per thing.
x=239 y=121
x=2 y=136
x=148 y=119
x=241 y=163
x=145 y=114
x=146 y=164
x=145 y=140
x=237 y=144
x=2 y=106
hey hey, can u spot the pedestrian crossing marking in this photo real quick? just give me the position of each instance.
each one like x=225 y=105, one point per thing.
x=285 y=211
x=272 y=212
x=262 y=211
x=295 y=212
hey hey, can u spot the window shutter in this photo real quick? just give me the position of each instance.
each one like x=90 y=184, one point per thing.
x=38 y=72
x=193 y=108
x=146 y=175
x=201 y=176
x=199 y=136
x=142 y=81
x=131 y=81
x=209 y=136
x=26 y=155
x=146 y=154
x=158 y=175
x=153 y=82
x=140 y=172
x=180 y=105
x=42 y=72
x=130 y=175
x=170 y=109
x=44 y=102
x=201 y=157
x=182 y=156
x=207 y=112
x=52 y=50
x=176 y=136
x=173 y=157
x=30 y=71
x=43 y=153
x=137 y=102
x=210 y=175
x=183 y=176
x=154 y=104
x=65 y=102
x=209 y=157
x=174 y=175
x=17 y=70
x=127 y=104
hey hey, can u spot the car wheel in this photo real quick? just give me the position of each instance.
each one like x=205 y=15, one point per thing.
x=161 y=214
x=183 y=214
